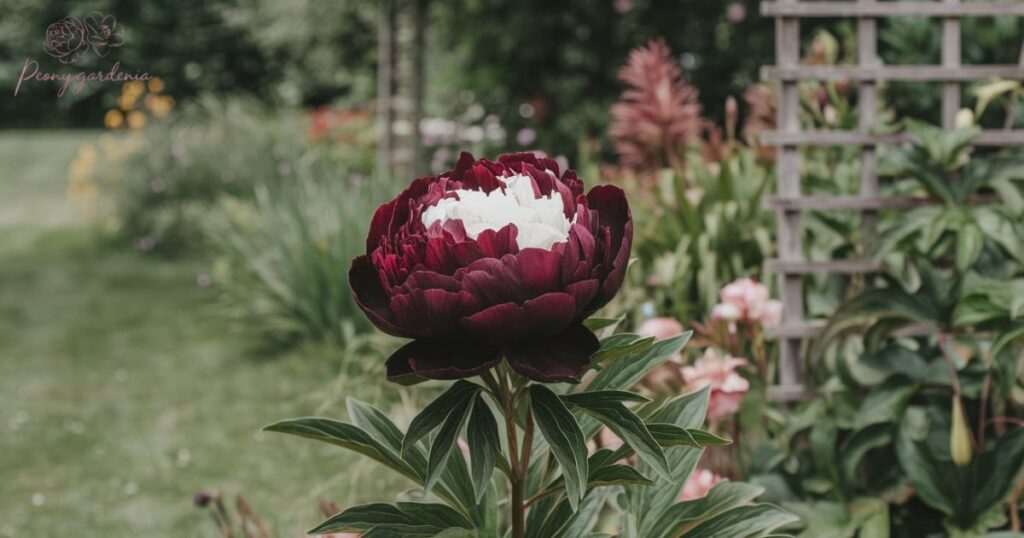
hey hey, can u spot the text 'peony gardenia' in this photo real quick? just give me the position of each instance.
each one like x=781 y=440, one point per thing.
x=493 y=259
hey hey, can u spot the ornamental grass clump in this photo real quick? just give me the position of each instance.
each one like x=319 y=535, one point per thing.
x=491 y=271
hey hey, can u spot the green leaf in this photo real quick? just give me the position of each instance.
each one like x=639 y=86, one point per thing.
x=725 y=496
x=969 y=241
x=686 y=411
x=743 y=521
x=375 y=423
x=625 y=372
x=401 y=519
x=484 y=445
x=622 y=345
x=857 y=447
x=604 y=396
x=672 y=435
x=344 y=435
x=444 y=443
x=562 y=432
x=457 y=396
x=610 y=412
x=596 y=324
x=885 y=403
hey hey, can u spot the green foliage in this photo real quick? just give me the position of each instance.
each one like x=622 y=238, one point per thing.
x=567 y=488
x=697 y=232
x=911 y=428
x=297 y=51
x=279 y=258
x=200 y=156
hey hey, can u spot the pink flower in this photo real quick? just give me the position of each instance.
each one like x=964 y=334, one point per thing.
x=660 y=328
x=699 y=484
x=771 y=316
x=726 y=312
x=609 y=440
x=752 y=301
x=667 y=374
x=727 y=387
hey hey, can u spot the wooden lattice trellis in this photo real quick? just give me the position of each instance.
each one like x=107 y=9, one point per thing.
x=789 y=203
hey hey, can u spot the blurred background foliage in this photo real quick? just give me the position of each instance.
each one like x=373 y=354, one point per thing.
x=212 y=219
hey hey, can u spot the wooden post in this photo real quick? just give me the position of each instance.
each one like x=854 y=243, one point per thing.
x=950 y=60
x=386 y=56
x=867 y=104
x=421 y=9
x=787 y=50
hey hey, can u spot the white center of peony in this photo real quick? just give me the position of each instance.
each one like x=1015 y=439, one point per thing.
x=540 y=221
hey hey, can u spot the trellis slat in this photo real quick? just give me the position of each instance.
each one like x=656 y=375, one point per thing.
x=789 y=201
x=990 y=137
x=787 y=52
x=891 y=9
x=804 y=267
x=919 y=73
x=822 y=202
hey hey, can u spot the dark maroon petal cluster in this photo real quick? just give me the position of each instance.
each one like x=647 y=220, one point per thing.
x=466 y=302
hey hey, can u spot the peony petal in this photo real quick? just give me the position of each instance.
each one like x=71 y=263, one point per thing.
x=615 y=219
x=583 y=292
x=509 y=323
x=540 y=271
x=364 y=280
x=561 y=358
x=432 y=313
x=424 y=359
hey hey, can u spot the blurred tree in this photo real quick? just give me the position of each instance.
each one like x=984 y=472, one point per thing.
x=296 y=51
x=552 y=66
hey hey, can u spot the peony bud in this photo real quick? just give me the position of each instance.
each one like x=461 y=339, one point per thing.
x=960 y=436
x=964 y=118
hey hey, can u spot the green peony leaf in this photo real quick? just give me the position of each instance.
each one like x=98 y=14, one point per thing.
x=625 y=372
x=457 y=396
x=445 y=441
x=672 y=435
x=628 y=427
x=743 y=521
x=347 y=436
x=484 y=445
x=562 y=432
x=402 y=519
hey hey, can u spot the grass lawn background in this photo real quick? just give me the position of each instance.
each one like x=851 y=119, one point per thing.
x=122 y=393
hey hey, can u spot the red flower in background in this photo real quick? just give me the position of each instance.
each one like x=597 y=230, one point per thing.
x=658 y=114
x=493 y=259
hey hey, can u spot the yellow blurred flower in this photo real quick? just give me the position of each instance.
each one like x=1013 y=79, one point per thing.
x=126 y=102
x=156 y=85
x=133 y=88
x=160 y=105
x=113 y=119
x=81 y=190
x=136 y=120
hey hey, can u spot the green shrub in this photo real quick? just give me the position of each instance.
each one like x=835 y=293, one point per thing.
x=283 y=260
x=215 y=148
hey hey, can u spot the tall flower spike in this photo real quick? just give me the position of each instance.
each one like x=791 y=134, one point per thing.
x=658 y=114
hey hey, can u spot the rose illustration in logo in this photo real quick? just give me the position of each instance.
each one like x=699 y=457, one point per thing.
x=68 y=38
x=65 y=39
x=103 y=33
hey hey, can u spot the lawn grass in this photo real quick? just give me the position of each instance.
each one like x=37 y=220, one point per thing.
x=122 y=393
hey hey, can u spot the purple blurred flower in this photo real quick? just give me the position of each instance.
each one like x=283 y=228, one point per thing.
x=736 y=13
x=526 y=136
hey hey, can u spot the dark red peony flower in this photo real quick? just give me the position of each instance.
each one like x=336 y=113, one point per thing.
x=493 y=259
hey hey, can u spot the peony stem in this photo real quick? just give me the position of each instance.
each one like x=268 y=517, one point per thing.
x=517 y=467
